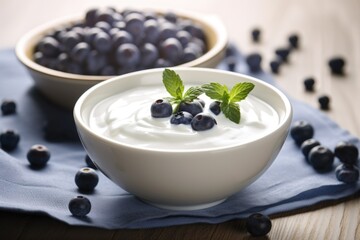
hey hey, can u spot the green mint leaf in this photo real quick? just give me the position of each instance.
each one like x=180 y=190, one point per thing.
x=231 y=111
x=214 y=90
x=240 y=91
x=173 y=83
x=192 y=93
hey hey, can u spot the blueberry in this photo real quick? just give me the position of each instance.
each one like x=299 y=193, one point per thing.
x=294 y=40
x=258 y=224
x=75 y=68
x=215 y=107
x=79 y=206
x=181 y=118
x=184 y=37
x=151 y=30
x=275 y=66
x=309 y=84
x=193 y=108
x=8 y=107
x=9 y=140
x=255 y=34
x=103 y=26
x=194 y=29
x=86 y=179
x=283 y=53
x=321 y=158
x=324 y=102
x=38 y=155
x=254 y=62
x=102 y=42
x=80 y=52
x=336 y=65
x=70 y=39
x=189 y=55
x=90 y=17
x=49 y=46
x=301 y=131
x=172 y=50
x=94 y=62
x=128 y=54
x=161 y=109
x=167 y=30
x=171 y=17
x=90 y=163
x=346 y=152
x=307 y=145
x=347 y=173
x=202 y=122
x=149 y=55
x=121 y=37
x=135 y=24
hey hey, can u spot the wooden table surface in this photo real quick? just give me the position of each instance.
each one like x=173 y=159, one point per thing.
x=326 y=28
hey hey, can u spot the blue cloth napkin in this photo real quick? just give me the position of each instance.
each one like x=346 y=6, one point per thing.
x=290 y=183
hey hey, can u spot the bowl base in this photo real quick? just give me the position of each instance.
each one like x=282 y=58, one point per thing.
x=185 y=207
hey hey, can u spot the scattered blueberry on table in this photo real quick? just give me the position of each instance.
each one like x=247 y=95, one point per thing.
x=231 y=63
x=255 y=35
x=79 y=206
x=309 y=84
x=337 y=65
x=8 y=107
x=253 y=61
x=321 y=158
x=307 y=145
x=275 y=66
x=347 y=153
x=300 y=131
x=86 y=179
x=324 y=101
x=347 y=173
x=294 y=41
x=9 y=140
x=38 y=155
x=258 y=224
x=283 y=53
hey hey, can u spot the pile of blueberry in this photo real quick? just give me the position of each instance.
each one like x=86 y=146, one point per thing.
x=322 y=158
x=111 y=42
x=189 y=113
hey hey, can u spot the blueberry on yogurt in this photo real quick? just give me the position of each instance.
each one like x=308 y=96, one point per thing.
x=181 y=118
x=202 y=122
x=161 y=109
x=193 y=107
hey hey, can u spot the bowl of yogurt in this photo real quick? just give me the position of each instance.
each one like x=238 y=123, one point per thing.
x=173 y=166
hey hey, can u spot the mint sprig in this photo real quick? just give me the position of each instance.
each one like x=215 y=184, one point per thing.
x=229 y=99
x=175 y=87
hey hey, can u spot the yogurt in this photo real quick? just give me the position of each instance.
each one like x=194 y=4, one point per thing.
x=126 y=118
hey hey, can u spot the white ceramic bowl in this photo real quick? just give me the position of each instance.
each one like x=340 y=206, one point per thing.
x=65 y=88
x=182 y=179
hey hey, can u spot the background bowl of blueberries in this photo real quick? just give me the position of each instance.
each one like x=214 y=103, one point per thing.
x=69 y=55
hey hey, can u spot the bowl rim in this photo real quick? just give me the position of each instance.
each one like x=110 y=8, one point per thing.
x=77 y=111
x=22 y=46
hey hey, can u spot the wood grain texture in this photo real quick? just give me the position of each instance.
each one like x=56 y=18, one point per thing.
x=326 y=27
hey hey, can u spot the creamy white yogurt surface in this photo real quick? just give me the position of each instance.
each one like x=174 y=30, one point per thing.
x=126 y=118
